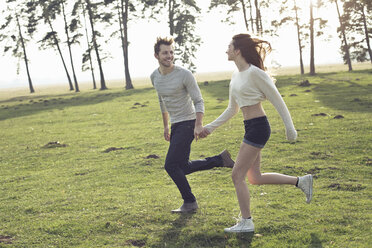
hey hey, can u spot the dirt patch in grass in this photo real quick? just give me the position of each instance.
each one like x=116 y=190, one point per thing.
x=316 y=170
x=54 y=144
x=320 y=114
x=304 y=83
x=346 y=187
x=338 y=117
x=368 y=161
x=6 y=239
x=136 y=243
x=110 y=149
x=152 y=156
x=320 y=155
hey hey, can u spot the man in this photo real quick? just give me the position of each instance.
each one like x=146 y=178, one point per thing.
x=181 y=100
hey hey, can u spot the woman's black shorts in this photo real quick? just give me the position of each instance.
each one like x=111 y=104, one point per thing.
x=257 y=131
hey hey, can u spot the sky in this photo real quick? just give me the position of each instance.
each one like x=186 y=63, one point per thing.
x=46 y=66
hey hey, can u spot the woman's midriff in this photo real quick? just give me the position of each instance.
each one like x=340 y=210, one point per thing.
x=254 y=111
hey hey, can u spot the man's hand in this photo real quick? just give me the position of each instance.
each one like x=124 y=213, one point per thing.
x=198 y=125
x=166 y=126
x=166 y=134
x=197 y=130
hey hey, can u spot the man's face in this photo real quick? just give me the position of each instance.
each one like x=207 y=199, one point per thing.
x=166 y=55
x=231 y=52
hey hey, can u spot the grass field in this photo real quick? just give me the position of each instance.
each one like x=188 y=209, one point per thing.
x=99 y=186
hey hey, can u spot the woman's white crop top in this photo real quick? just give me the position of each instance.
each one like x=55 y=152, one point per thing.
x=248 y=88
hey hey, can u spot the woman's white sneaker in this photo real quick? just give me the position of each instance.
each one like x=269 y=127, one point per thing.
x=305 y=183
x=244 y=225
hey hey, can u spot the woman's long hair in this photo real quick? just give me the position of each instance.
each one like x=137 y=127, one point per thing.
x=253 y=50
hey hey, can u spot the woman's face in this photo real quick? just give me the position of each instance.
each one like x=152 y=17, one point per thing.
x=231 y=52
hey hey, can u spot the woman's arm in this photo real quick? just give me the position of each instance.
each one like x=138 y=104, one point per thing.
x=268 y=88
x=229 y=112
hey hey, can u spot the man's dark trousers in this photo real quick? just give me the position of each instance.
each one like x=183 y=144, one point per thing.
x=177 y=163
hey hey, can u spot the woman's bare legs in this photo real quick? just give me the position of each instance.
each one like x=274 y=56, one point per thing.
x=246 y=157
x=248 y=164
x=255 y=177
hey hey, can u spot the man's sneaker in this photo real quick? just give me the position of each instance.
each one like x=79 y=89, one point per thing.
x=226 y=159
x=305 y=183
x=244 y=225
x=187 y=208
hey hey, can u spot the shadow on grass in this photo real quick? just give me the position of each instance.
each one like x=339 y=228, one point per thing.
x=341 y=91
x=315 y=241
x=217 y=89
x=220 y=89
x=220 y=240
x=178 y=236
x=345 y=92
x=171 y=236
x=245 y=239
x=29 y=105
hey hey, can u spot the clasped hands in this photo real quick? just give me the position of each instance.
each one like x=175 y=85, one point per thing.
x=200 y=132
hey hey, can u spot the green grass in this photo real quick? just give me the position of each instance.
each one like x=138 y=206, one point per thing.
x=80 y=196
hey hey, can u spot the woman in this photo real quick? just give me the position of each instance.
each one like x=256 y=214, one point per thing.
x=249 y=86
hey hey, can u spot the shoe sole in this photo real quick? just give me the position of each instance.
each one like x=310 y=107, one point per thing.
x=178 y=211
x=230 y=166
x=310 y=190
x=240 y=231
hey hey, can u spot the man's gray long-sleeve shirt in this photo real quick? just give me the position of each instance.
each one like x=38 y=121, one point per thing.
x=178 y=94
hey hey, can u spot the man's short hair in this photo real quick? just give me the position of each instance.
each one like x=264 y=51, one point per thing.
x=162 y=41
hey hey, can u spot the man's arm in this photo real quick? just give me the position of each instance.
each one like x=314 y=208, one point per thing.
x=198 y=125
x=196 y=96
x=166 y=126
x=163 y=111
x=194 y=91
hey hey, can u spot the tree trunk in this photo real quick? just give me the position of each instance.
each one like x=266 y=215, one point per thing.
x=299 y=39
x=244 y=15
x=257 y=16
x=171 y=16
x=60 y=54
x=312 y=63
x=366 y=33
x=260 y=20
x=342 y=28
x=89 y=49
x=128 y=80
x=259 y=29
x=94 y=38
x=69 y=47
x=25 y=57
x=251 y=16
x=121 y=16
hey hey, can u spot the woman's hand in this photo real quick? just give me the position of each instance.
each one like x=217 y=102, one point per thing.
x=291 y=135
x=204 y=133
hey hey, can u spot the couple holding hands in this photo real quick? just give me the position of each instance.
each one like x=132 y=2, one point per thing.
x=182 y=105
